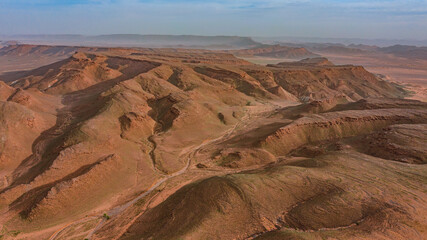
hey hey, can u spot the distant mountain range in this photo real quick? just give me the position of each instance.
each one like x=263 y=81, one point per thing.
x=241 y=46
x=194 y=41
x=345 y=41
x=405 y=51
x=136 y=40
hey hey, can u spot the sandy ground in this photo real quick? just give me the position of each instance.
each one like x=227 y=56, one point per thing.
x=8 y=64
x=266 y=60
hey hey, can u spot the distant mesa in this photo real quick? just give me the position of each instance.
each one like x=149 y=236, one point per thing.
x=276 y=51
x=137 y=40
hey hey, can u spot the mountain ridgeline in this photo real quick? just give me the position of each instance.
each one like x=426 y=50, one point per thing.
x=138 y=143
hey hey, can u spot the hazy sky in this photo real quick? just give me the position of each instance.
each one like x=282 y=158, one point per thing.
x=398 y=19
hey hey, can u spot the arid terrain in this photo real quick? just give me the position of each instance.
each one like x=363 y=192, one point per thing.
x=162 y=143
x=406 y=65
x=411 y=73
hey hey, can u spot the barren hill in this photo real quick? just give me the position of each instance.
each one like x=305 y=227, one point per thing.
x=26 y=57
x=318 y=78
x=197 y=144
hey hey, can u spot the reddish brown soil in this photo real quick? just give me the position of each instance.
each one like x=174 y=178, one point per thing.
x=409 y=72
x=195 y=144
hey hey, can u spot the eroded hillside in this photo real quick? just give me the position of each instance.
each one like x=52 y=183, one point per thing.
x=194 y=144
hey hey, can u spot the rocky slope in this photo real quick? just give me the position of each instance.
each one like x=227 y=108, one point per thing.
x=400 y=142
x=314 y=184
x=195 y=144
x=311 y=81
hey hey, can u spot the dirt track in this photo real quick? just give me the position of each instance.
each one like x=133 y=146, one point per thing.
x=117 y=210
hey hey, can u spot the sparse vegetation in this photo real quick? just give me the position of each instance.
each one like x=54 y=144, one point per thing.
x=14 y=233
x=221 y=117
x=106 y=217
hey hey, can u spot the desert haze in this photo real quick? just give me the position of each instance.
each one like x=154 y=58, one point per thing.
x=212 y=136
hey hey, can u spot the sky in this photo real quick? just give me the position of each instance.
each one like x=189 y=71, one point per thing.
x=387 y=19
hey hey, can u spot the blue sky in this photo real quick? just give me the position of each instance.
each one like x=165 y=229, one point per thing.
x=394 y=19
